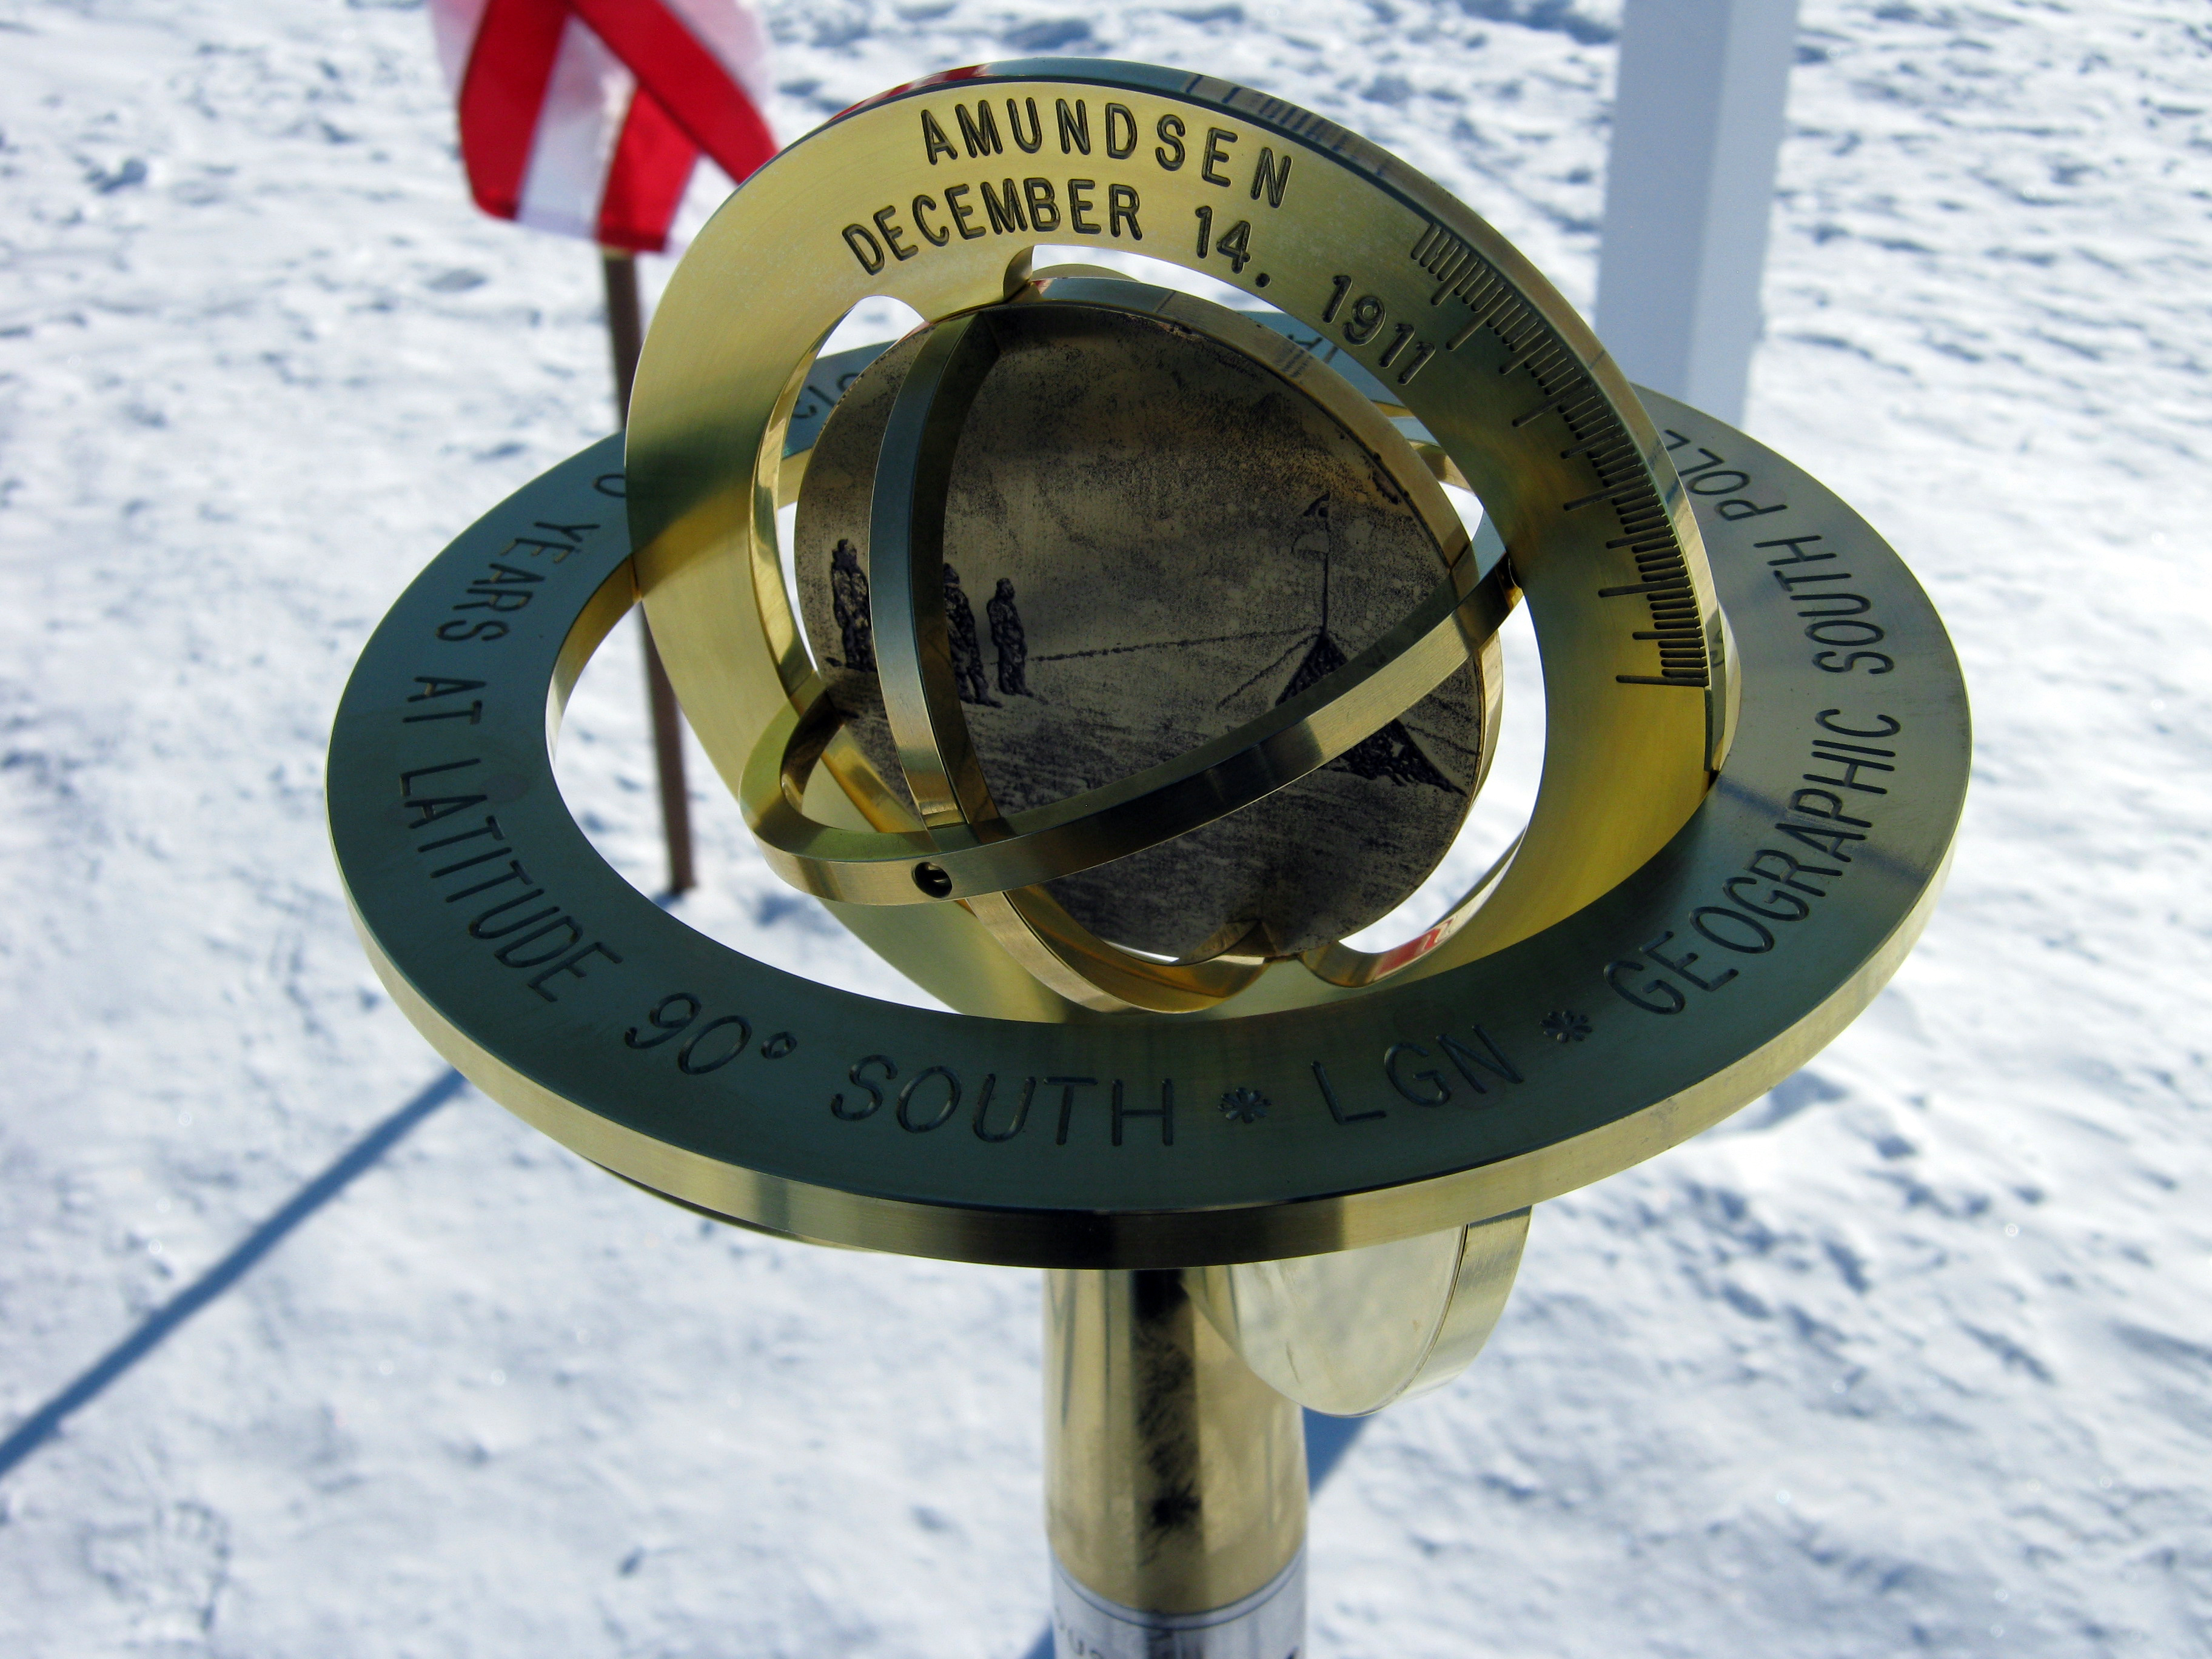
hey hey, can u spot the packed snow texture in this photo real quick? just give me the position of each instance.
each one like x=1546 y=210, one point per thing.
x=1913 y=1355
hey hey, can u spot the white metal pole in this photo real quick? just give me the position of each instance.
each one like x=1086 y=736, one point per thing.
x=1696 y=127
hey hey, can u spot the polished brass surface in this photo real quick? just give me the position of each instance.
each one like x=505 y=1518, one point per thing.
x=1351 y=1332
x=1187 y=516
x=1224 y=776
x=1263 y=1172
x=1294 y=1133
x=821 y=858
x=1506 y=379
x=1663 y=943
x=965 y=850
x=936 y=759
x=1175 y=1478
x=1293 y=738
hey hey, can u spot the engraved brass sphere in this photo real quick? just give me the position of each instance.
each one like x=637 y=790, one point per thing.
x=1181 y=493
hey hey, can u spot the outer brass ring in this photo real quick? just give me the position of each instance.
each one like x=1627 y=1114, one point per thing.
x=888 y=199
x=1714 y=970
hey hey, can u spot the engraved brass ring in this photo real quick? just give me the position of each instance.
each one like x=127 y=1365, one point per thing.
x=1758 y=931
x=933 y=196
x=1707 y=893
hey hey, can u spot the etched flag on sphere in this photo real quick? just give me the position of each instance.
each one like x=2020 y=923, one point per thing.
x=587 y=117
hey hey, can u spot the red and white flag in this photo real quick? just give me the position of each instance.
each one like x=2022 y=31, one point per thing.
x=586 y=117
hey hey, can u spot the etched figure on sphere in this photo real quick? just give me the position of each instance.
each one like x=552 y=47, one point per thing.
x=967 y=649
x=1390 y=753
x=848 y=597
x=1011 y=643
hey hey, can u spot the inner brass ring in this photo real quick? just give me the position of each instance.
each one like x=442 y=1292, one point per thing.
x=967 y=849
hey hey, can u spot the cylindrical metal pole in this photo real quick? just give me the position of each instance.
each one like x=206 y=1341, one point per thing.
x=1174 y=1480
x=626 y=336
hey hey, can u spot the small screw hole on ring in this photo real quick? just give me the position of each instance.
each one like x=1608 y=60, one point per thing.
x=932 y=880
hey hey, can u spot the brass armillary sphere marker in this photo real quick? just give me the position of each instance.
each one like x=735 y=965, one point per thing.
x=1132 y=656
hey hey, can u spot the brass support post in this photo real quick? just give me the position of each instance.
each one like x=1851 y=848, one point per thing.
x=1175 y=1480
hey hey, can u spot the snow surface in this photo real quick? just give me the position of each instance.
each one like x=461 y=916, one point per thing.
x=1913 y=1356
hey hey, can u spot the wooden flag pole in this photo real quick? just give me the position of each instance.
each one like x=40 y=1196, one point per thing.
x=626 y=333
